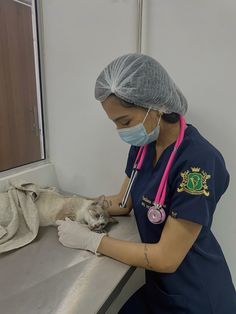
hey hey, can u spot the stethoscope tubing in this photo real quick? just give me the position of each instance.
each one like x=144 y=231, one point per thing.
x=137 y=165
x=126 y=196
x=161 y=193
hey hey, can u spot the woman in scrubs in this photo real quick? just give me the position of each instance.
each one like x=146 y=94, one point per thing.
x=185 y=268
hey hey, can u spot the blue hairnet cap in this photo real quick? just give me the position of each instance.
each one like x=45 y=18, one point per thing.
x=140 y=79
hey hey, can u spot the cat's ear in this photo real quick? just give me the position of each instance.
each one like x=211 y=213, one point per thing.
x=103 y=202
x=99 y=200
x=113 y=220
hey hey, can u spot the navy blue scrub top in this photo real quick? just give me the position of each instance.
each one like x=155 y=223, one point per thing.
x=198 y=178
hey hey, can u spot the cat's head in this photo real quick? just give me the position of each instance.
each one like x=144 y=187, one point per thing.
x=97 y=216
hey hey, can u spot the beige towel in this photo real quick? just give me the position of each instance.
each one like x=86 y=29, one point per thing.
x=19 y=221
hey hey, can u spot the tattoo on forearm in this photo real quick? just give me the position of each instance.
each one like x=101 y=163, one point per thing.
x=146 y=257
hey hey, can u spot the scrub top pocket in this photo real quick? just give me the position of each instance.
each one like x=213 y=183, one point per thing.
x=164 y=303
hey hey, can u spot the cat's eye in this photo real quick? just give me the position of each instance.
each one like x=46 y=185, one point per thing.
x=97 y=216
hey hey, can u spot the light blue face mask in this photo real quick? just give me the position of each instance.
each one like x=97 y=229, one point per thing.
x=137 y=135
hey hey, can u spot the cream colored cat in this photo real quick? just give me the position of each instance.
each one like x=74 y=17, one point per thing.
x=53 y=206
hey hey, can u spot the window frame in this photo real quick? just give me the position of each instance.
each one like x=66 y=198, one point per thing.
x=37 y=27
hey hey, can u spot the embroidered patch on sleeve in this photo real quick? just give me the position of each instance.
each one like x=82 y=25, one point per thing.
x=194 y=182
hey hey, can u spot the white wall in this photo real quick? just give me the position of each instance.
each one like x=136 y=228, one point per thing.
x=80 y=39
x=195 y=42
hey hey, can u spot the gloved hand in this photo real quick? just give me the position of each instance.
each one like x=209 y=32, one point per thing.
x=76 y=235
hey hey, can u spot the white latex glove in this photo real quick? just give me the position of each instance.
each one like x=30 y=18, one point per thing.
x=76 y=235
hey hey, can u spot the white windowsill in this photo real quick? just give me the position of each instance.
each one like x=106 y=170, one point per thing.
x=41 y=172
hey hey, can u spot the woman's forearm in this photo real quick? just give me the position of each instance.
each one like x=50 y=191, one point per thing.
x=113 y=206
x=145 y=255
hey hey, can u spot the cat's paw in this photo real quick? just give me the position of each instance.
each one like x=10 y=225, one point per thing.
x=100 y=231
x=113 y=220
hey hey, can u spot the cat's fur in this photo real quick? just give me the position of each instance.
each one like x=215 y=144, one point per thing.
x=55 y=206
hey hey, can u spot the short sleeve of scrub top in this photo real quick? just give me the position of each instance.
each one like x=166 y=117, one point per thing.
x=196 y=187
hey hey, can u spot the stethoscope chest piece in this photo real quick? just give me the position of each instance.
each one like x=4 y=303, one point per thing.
x=156 y=214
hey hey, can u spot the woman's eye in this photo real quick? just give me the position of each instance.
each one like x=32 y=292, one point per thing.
x=125 y=123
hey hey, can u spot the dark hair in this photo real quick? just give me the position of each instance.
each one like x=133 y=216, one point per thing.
x=168 y=117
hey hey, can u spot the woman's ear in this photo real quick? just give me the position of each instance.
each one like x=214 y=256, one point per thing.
x=159 y=113
x=159 y=116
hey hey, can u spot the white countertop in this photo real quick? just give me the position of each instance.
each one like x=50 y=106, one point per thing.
x=45 y=277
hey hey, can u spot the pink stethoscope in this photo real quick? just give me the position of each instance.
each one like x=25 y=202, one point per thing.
x=156 y=213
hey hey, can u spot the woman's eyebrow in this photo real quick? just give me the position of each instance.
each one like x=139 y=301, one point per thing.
x=119 y=118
